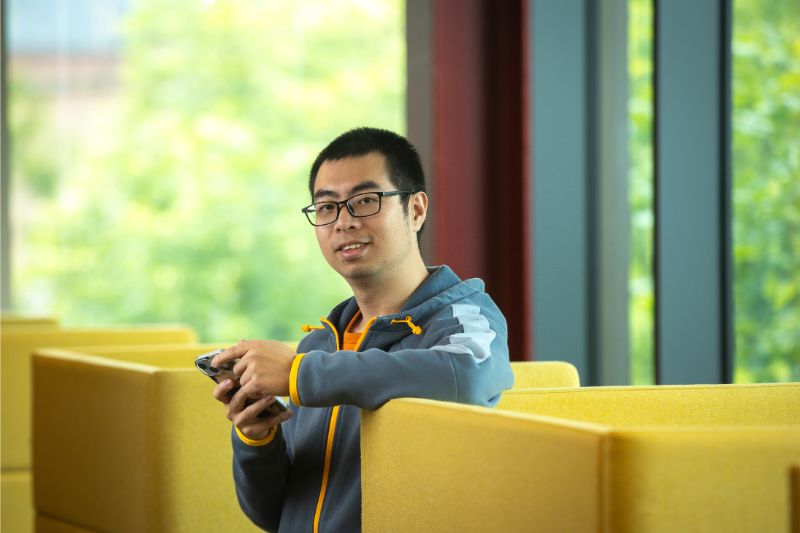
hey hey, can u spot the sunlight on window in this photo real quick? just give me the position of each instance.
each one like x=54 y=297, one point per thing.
x=160 y=154
x=640 y=147
x=766 y=189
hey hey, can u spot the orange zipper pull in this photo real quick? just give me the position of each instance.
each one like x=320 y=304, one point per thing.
x=309 y=327
x=416 y=330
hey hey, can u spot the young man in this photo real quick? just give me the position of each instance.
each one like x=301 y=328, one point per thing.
x=408 y=331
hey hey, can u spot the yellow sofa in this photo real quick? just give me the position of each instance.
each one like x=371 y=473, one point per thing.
x=544 y=374
x=597 y=459
x=10 y=320
x=16 y=344
x=130 y=440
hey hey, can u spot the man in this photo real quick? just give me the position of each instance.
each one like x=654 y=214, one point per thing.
x=408 y=331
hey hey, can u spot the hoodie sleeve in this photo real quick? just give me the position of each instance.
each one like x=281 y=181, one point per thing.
x=461 y=356
x=260 y=472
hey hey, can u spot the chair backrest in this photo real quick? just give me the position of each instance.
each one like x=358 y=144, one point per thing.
x=8 y=320
x=641 y=459
x=664 y=405
x=152 y=455
x=16 y=346
x=544 y=374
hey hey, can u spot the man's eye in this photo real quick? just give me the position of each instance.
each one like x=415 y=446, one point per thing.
x=366 y=200
x=325 y=208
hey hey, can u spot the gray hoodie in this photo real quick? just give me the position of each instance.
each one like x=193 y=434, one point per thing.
x=449 y=342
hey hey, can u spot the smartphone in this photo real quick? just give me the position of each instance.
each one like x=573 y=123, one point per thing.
x=218 y=375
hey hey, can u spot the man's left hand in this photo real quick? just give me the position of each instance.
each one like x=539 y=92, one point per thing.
x=263 y=367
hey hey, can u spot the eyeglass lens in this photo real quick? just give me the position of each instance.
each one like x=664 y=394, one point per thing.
x=361 y=205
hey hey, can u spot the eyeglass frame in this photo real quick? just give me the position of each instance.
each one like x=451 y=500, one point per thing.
x=307 y=210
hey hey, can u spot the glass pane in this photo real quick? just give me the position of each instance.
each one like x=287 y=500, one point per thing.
x=766 y=189
x=160 y=154
x=640 y=147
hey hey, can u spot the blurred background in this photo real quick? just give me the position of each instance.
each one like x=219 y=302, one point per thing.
x=156 y=157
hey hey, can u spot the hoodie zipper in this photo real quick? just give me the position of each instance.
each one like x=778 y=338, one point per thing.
x=332 y=427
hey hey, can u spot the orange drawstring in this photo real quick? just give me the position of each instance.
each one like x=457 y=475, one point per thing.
x=309 y=327
x=416 y=330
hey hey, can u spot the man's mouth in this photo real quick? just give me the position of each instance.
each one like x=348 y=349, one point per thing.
x=352 y=250
x=351 y=246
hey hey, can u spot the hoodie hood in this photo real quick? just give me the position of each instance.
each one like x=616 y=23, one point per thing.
x=441 y=288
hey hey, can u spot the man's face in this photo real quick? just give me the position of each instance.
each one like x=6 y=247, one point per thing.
x=370 y=247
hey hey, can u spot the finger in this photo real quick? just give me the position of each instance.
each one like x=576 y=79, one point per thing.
x=230 y=353
x=256 y=431
x=245 y=376
x=261 y=425
x=241 y=365
x=254 y=409
x=239 y=400
x=249 y=416
x=221 y=391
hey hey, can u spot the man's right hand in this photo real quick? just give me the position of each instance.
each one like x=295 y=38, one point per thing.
x=245 y=417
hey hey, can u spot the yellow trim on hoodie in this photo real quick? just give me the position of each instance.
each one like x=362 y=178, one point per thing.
x=260 y=442
x=332 y=433
x=364 y=333
x=293 y=393
x=356 y=316
x=335 y=333
x=327 y=468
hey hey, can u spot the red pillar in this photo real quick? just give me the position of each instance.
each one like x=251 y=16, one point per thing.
x=479 y=153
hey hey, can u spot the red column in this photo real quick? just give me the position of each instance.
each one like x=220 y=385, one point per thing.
x=482 y=198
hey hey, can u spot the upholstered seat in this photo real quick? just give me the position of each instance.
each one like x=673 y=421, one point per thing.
x=20 y=336
x=131 y=440
x=621 y=459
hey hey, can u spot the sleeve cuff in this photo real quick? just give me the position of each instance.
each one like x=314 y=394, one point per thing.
x=262 y=442
x=293 y=392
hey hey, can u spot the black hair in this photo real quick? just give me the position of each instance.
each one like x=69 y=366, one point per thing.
x=403 y=163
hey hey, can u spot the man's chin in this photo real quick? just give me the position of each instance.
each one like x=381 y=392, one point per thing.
x=356 y=272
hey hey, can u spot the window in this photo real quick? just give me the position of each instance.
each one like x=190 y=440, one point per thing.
x=640 y=176
x=766 y=189
x=160 y=152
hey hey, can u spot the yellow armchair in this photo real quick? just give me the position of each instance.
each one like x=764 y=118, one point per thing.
x=131 y=440
x=11 y=320
x=15 y=362
x=16 y=344
x=544 y=374
x=627 y=459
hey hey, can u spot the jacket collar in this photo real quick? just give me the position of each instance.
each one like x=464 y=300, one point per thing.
x=441 y=288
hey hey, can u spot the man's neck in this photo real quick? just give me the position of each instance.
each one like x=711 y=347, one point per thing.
x=385 y=297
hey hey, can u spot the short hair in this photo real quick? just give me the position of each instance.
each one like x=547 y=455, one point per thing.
x=403 y=163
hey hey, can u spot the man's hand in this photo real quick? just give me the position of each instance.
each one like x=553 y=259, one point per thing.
x=263 y=371
x=245 y=417
x=263 y=367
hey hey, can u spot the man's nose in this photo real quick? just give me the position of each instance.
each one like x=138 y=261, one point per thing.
x=346 y=220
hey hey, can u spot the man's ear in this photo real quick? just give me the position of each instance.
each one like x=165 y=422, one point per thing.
x=418 y=210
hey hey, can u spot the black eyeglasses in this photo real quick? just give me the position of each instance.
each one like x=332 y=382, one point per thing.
x=361 y=205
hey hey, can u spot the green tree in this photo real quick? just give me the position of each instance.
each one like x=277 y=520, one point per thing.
x=640 y=172
x=188 y=208
x=766 y=191
x=766 y=194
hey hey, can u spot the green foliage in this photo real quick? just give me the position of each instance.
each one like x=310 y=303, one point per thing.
x=766 y=193
x=766 y=190
x=186 y=206
x=640 y=171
